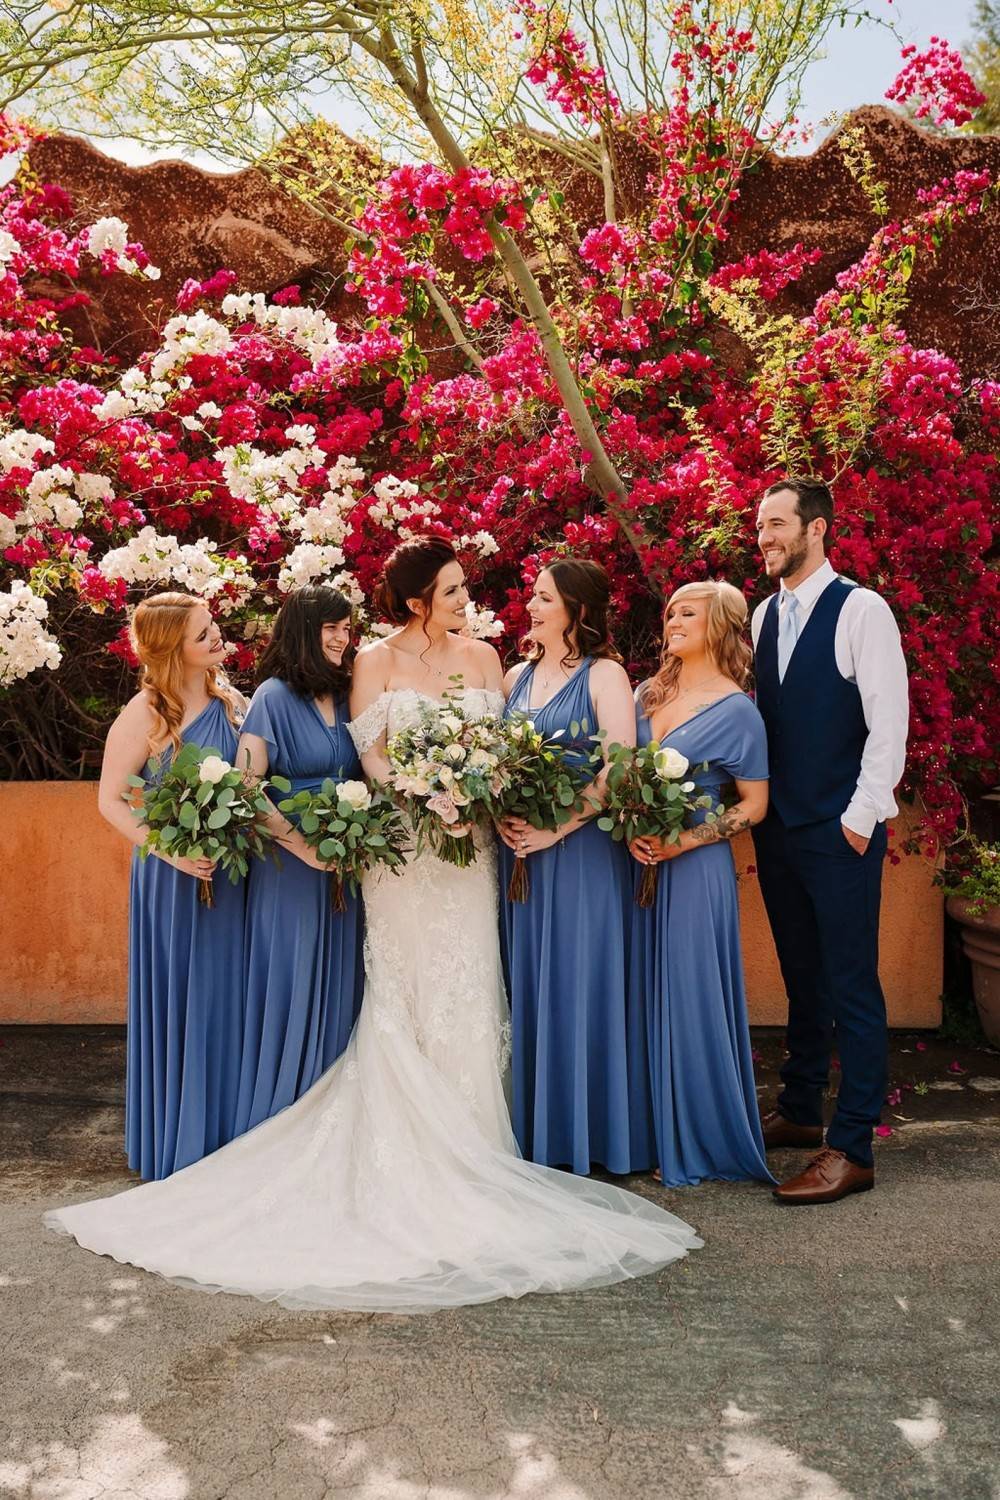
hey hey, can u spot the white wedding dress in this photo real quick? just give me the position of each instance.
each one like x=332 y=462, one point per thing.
x=395 y=1183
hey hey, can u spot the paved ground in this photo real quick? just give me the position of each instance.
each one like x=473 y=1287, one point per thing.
x=843 y=1353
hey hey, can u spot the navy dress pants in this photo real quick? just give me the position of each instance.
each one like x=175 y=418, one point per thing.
x=822 y=901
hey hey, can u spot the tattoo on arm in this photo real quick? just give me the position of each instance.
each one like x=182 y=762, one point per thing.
x=725 y=827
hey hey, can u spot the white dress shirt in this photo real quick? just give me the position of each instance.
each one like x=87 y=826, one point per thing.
x=868 y=653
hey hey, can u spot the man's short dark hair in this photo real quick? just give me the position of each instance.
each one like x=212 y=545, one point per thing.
x=813 y=502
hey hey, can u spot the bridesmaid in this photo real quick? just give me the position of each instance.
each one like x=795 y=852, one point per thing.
x=185 y=986
x=580 y=1076
x=688 y=967
x=304 y=968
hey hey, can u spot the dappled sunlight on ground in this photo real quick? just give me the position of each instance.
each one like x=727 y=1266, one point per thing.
x=844 y=1353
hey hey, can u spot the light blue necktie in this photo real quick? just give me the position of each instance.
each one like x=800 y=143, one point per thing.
x=788 y=631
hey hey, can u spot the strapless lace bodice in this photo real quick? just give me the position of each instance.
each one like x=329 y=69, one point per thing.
x=400 y=708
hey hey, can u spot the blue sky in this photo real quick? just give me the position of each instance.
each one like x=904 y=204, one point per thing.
x=858 y=66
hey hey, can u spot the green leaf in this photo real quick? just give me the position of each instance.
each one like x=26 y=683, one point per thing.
x=203 y=793
x=187 y=816
x=219 y=818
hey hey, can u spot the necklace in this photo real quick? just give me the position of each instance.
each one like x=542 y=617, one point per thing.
x=546 y=682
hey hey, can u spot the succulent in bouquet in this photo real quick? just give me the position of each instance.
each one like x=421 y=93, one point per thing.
x=352 y=827
x=199 y=806
x=448 y=771
x=649 y=794
x=545 y=785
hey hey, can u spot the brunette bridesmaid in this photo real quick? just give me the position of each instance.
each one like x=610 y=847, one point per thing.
x=304 y=964
x=185 y=986
x=688 y=966
x=580 y=1074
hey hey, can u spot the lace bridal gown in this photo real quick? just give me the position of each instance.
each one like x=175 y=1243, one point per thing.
x=394 y=1184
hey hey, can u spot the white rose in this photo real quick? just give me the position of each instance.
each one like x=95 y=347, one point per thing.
x=446 y=776
x=355 y=794
x=452 y=723
x=670 y=764
x=482 y=759
x=213 y=768
x=455 y=754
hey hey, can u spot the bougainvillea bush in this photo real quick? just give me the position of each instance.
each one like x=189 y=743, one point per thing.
x=256 y=446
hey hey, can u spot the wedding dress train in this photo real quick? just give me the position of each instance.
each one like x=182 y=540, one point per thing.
x=395 y=1183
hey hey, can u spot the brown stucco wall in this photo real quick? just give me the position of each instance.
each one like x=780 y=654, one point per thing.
x=64 y=899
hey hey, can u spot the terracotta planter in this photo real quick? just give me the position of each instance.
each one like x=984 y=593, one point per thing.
x=981 y=941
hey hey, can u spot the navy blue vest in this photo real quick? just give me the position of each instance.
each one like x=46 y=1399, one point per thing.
x=815 y=722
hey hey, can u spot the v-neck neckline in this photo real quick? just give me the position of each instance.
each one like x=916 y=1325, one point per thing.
x=542 y=706
x=330 y=728
x=200 y=714
x=736 y=693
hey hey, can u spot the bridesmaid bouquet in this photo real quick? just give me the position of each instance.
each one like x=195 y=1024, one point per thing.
x=448 y=770
x=201 y=807
x=352 y=827
x=648 y=795
x=544 y=787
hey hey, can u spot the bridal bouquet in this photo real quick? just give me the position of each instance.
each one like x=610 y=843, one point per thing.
x=201 y=807
x=544 y=787
x=648 y=795
x=448 y=770
x=352 y=827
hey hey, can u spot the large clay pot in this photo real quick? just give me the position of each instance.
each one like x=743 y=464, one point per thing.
x=981 y=941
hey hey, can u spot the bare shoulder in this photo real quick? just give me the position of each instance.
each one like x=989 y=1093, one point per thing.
x=512 y=675
x=610 y=676
x=138 y=712
x=482 y=658
x=374 y=660
x=134 y=724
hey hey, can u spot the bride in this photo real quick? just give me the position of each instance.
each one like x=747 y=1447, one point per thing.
x=395 y=1183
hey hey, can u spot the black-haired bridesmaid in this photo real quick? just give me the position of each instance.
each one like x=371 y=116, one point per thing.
x=304 y=961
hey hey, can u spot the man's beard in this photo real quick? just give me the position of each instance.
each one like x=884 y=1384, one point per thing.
x=793 y=560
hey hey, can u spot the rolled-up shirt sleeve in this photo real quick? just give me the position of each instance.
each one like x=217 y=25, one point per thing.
x=878 y=668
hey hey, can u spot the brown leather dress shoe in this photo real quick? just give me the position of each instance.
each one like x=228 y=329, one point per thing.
x=781 y=1132
x=829 y=1176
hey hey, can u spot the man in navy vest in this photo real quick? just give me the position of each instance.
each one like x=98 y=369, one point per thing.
x=832 y=689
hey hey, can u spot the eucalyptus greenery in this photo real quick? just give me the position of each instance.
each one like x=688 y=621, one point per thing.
x=199 y=806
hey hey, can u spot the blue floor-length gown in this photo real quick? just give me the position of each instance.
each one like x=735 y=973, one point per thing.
x=580 y=1073
x=304 y=961
x=688 y=971
x=185 y=998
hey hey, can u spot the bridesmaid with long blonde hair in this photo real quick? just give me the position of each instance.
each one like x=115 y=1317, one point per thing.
x=185 y=989
x=687 y=964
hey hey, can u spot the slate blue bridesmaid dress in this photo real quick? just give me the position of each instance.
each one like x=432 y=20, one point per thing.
x=580 y=1072
x=304 y=963
x=688 y=971
x=185 y=998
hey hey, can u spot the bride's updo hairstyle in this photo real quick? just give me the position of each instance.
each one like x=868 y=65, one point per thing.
x=726 y=640
x=585 y=590
x=410 y=572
